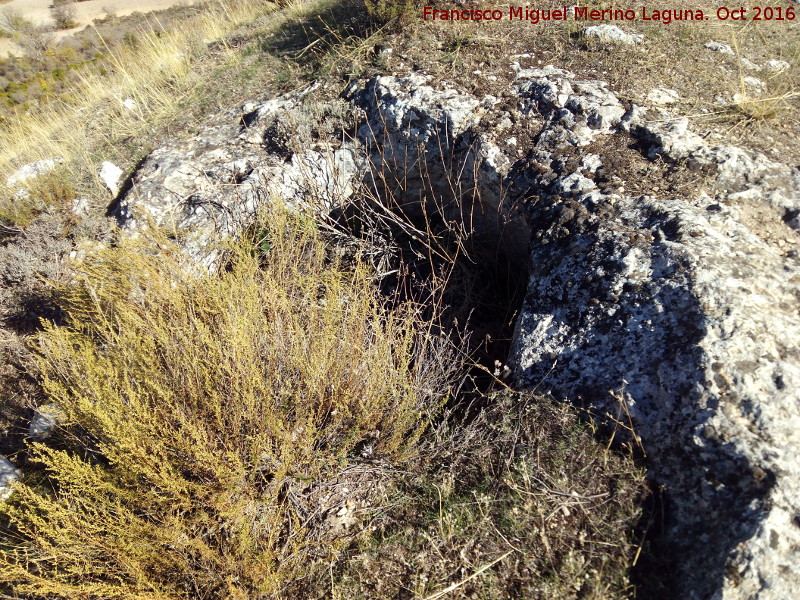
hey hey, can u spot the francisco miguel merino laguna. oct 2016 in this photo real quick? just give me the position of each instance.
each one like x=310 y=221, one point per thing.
x=574 y=13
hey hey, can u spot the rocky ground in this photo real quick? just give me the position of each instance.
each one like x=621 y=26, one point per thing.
x=644 y=188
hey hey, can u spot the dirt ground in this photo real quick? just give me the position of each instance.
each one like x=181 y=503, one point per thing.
x=38 y=11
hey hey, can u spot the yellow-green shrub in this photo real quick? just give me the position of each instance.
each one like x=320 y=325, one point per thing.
x=203 y=412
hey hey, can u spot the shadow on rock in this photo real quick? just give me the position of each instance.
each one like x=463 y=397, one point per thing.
x=612 y=321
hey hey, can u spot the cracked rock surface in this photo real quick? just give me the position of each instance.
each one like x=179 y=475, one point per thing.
x=685 y=306
x=212 y=184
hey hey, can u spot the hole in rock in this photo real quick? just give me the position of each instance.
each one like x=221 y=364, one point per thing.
x=439 y=240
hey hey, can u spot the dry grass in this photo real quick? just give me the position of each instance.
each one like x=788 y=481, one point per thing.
x=51 y=190
x=759 y=109
x=518 y=502
x=207 y=418
x=475 y=56
x=158 y=74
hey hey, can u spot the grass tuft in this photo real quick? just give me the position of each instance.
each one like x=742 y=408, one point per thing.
x=54 y=189
x=748 y=108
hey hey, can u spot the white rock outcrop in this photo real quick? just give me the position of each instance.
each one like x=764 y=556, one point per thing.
x=212 y=185
x=662 y=97
x=111 y=176
x=684 y=307
x=31 y=171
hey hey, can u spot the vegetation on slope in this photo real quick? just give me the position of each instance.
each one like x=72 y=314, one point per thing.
x=90 y=122
x=37 y=78
x=209 y=417
x=519 y=501
x=274 y=430
x=233 y=435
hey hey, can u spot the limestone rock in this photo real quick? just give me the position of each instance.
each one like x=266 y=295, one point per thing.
x=776 y=66
x=672 y=139
x=573 y=184
x=8 y=475
x=612 y=33
x=580 y=111
x=749 y=64
x=408 y=121
x=211 y=185
x=755 y=83
x=111 y=175
x=45 y=419
x=720 y=47
x=671 y=302
x=662 y=96
x=683 y=306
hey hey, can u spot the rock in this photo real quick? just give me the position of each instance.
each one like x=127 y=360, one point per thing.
x=80 y=207
x=111 y=176
x=684 y=304
x=32 y=171
x=8 y=475
x=404 y=100
x=776 y=66
x=642 y=298
x=672 y=139
x=580 y=111
x=612 y=33
x=385 y=54
x=720 y=47
x=749 y=64
x=755 y=83
x=129 y=104
x=45 y=419
x=408 y=121
x=662 y=96
x=642 y=305
x=591 y=163
x=651 y=304
x=634 y=118
x=212 y=185
x=573 y=185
